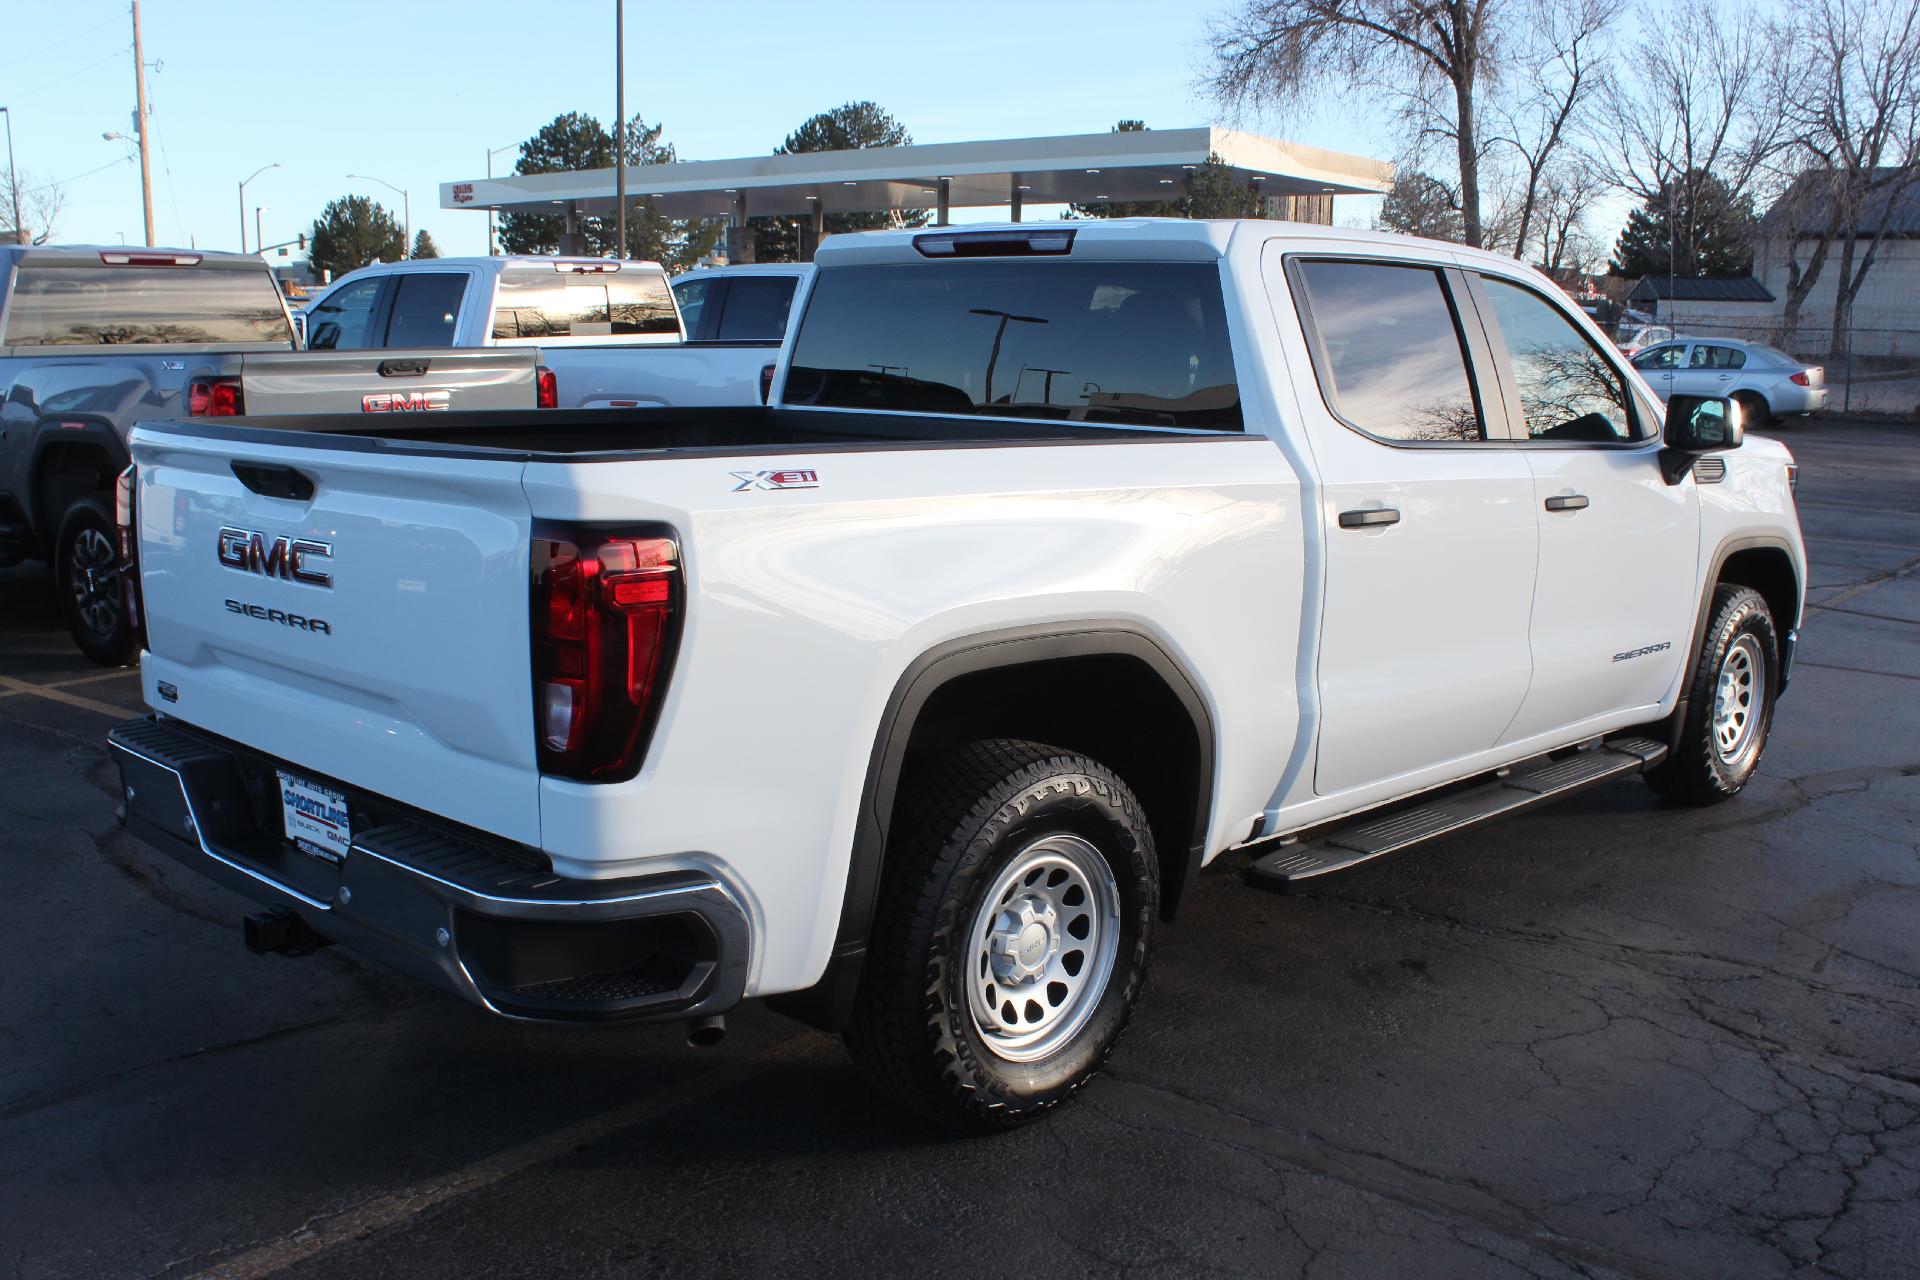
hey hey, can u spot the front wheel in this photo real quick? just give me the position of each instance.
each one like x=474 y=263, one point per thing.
x=1729 y=703
x=1012 y=936
x=87 y=569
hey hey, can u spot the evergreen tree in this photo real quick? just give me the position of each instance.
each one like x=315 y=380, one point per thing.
x=574 y=142
x=423 y=245
x=352 y=232
x=1692 y=227
x=1419 y=204
x=852 y=127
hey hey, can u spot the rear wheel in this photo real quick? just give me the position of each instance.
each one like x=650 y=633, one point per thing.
x=1729 y=703
x=87 y=570
x=1014 y=927
x=1754 y=409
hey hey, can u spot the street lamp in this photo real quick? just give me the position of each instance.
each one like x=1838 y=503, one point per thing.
x=1000 y=332
x=406 y=231
x=490 y=155
x=243 y=206
x=13 y=179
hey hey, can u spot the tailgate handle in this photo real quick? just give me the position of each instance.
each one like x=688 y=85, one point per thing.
x=402 y=368
x=274 y=482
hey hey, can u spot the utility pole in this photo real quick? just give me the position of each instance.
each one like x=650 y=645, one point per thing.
x=258 y=239
x=13 y=178
x=140 y=107
x=620 y=122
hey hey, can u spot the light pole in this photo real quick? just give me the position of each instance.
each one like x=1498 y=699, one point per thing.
x=13 y=179
x=620 y=123
x=406 y=230
x=243 y=204
x=999 y=333
x=490 y=155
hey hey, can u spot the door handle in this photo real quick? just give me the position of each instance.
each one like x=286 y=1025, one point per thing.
x=1567 y=502
x=1371 y=518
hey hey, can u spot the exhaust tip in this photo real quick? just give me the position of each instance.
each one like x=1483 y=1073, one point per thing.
x=704 y=1033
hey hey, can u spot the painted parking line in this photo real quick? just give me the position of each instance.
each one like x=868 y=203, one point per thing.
x=97 y=677
x=10 y=685
x=330 y=1231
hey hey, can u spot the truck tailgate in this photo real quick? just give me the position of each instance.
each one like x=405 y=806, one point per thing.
x=390 y=381
x=393 y=657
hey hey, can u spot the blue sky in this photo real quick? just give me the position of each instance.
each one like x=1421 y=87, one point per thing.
x=416 y=92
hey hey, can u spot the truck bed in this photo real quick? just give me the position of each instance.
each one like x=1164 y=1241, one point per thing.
x=618 y=433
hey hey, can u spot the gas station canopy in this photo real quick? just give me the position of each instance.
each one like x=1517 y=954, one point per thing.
x=1078 y=168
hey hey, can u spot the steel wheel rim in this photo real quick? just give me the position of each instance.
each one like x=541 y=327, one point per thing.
x=91 y=577
x=1041 y=947
x=1739 y=696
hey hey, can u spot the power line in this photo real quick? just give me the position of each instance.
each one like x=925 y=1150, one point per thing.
x=48 y=186
x=39 y=53
x=117 y=53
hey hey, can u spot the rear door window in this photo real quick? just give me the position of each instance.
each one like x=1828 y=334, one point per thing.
x=1087 y=341
x=555 y=304
x=426 y=307
x=343 y=320
x=1708 y=356
x=91 y=305
x=756 y=309
x=1389 y=353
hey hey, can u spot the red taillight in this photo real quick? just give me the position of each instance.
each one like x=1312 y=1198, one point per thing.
x=546 y=388
x=215 y=398
x=606 y=618
x=1800 y=379
x=766 y=383
x=123 y=510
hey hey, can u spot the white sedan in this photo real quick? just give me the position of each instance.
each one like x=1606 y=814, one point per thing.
x=1766 y=383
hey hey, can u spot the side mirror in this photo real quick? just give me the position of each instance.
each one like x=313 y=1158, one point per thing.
x=299 y=330
x=1703 y=424
x=1697 y=425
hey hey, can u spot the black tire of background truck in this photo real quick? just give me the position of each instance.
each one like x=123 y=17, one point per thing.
x=86 y=571
x=1754 y=409
x=963 y=821
x=1697 y=771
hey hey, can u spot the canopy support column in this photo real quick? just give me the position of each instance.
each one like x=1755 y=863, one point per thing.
x=813 y=231
x=739 y=234
x=1013 y=198
x=946 y=198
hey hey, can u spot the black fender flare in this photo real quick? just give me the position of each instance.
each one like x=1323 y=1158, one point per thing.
x=1703 y=614
x=58 y=431
x=828 y=1003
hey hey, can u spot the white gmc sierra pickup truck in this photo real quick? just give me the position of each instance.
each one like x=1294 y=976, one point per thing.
x=1069 y=559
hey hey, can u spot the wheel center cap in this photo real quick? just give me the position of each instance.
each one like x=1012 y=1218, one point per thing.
x=1023 y=940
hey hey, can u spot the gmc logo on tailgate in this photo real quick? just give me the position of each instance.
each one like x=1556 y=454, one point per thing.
x=406 y=401
x=286 y=558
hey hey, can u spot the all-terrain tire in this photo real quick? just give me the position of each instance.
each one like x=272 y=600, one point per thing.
x=966 y=822
x=1730 y=696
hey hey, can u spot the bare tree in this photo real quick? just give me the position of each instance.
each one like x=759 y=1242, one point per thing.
x=1567 y=192
x=1559 y=67
x=41 y=204
x=1434 y=55
x=1853 y=115
x=1696 y=106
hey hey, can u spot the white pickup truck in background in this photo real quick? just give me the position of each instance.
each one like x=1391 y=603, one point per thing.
x=1068 y=559
x=609 y=330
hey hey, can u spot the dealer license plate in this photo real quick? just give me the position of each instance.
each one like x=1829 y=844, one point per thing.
x=316 y=817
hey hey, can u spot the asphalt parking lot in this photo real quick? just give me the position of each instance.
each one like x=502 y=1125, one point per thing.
x=1609 y=1039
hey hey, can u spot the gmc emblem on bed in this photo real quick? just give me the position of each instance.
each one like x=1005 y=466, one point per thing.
x=251 y=552
x=406 y=401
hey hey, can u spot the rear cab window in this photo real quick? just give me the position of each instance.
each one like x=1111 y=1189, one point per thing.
x=95 y=304
x=1109 y=342
x=592 y=306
